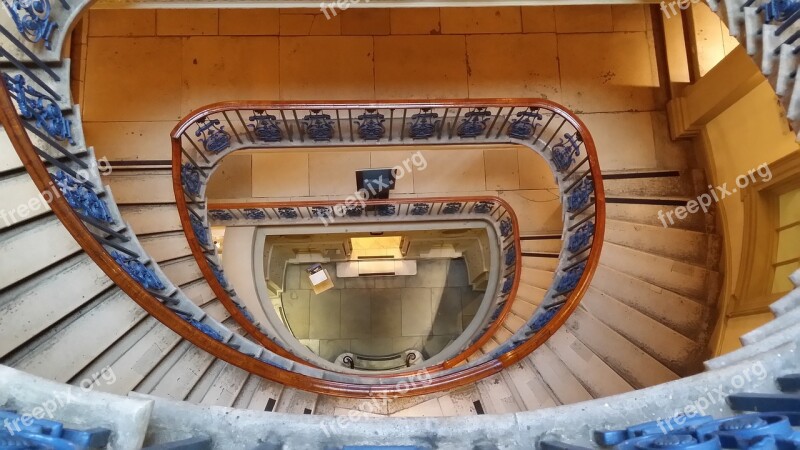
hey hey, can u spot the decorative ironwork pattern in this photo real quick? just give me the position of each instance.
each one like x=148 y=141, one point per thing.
x=25 y=432
x=354 y=211
x=474 y=123
x=200 y=231
x=254 y=214
x=386 y=210
x=190 y=178
x=82 y=198
x=511 y=255
x=265 y=127
x=419 y=209
x=204 y=328
x=221 y=215
x=579 y=197
x=525 y=124
x=564 y=152
x=219 y=275
x=138 y=271
x=581 y=237
x=287 y=213
x=506 y=228
x=484 y=207
x=542 y=320
x=32 y=19
x=508 y=284
x=570 y=278
x=370 y=125
x=451 y=208
x=321 y=211
x=779 y=10
x=318 y=126
x=213 y=135
x=33 y=105
x=423 y=124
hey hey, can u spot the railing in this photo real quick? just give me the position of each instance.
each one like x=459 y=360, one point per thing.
x=493 y=210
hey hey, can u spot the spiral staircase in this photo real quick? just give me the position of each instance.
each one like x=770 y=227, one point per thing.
x=634 y=340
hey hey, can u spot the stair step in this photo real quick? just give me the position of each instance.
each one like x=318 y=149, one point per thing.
x=685 y=279
x=205 y=382
x=30 y=256
x=295 y=401
x=540 y=263
x=142 y=186
x=21 y=200
x=789 y=302
x=180 y=378
x=636 y=366
x=788 y=334
x=648 y=215
x=561 y=381
x=58 y=15
x=70 y=349
x=541 y=246
x=166 y=246
x=181 y=271
x=496 y=395
x=638 y=184
x=679 y=353
x=598 y=378
x=537 y=278
x=528 y=384
x=265 y=396
x=530 y=294
x=199 y=292
x=523 y=309
x=47 y=298
x=144 y=220
x=772 y=327
x=682 y=245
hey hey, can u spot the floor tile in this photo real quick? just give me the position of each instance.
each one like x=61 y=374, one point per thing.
x=537 y=210
x=435 y=344
x=446 y=307
x=417 y=318
x=415 y=21
x=222 y=68
x=538 y=19
x=386 y=312
x=430 y=274
x=502 y=168
x=356 y=316
x=312 y=69
x=297 y=311
x=584 y=19
x=331 y=349
x=457 y=273
x=187 y=22
x=606 y=72
x=325 y=315
x=143 y=74
x=502 y=73
x=122 y=22
x=333 y=173
x=430 y=67
x=629 y=17
x=390 y=282
x=470 y=302
x=505 y=19
x=366 y=22
x=253 y=22
x=373 y=346
x=359 y=283
x=451 y=171
x=288 y=174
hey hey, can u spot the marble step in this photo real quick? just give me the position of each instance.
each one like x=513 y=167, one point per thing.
x=176 y=375
x=165 y=246
x=149 y=219
x=657 y=184
x=564 y=385
x=787 y=335
x=496 y=395
x=142 y=186
x=529 y=386
x=295 y=401
x=772 y=327
x=649 y=215
x=683 y=245
x=788 y=303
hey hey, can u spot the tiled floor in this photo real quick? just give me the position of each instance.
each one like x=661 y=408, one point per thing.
x=382 y=315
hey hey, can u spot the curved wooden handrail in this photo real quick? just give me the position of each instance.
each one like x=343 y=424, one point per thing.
x=490 y=331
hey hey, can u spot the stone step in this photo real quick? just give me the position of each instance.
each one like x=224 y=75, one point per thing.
x=637 y=367
x=199 y=291
x=540 y=263
x=149 y=219
x=672 y=349
x=788 y=334
x=205 y=382
x=772 y=327
x=142 y=186
x=788 y=303
x=497 y=396
x=166 y=246
x=76 y=344
x=295 y=401
x=21 y=200
x=542 y=245
x=61 y=69
x=649 y=215
x=531 y=294
x=649 y=184
x=533 y=392
x=259 y=394
x=36 y=304
x=685 y=279
x=683 y=245
x=186 y=364
x=598 y=378
x=181 y=271
x=30 y=256
x=566 y=388
x=684 y=315
x=537 y=278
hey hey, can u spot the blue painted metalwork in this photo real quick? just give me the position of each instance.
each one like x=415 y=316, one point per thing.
x=483 y=207
x=423 y=124
x=265 y=127
x=321 y=211
x=564 y=152
x=204 y=328
x=508 y=284
x=219 y=275
x=254 y=214
x=570 y=278
x=319 y=127
x=287 y=213
x=419 y=209
x=581 y=237
x=779 y=10
x=220 y=214
x=138 y=271
x=511 y=255
x=246 y=313
x=354 y=211
x=200 y=231
x=765 y=402
x=33 y=105
x=213 y=135
x=525 y=124
x=32 y=19
x=506 y=227
x=451 y=208
x=474 y=123
x=735 y=431
x=789 y=383
x=25 y=432
x=370 y=125
x=498 y=309
x=386 y=210
x=543 y=319
x=579 y=197
x=190 y=178
x=82 y=198
x=608 y=438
